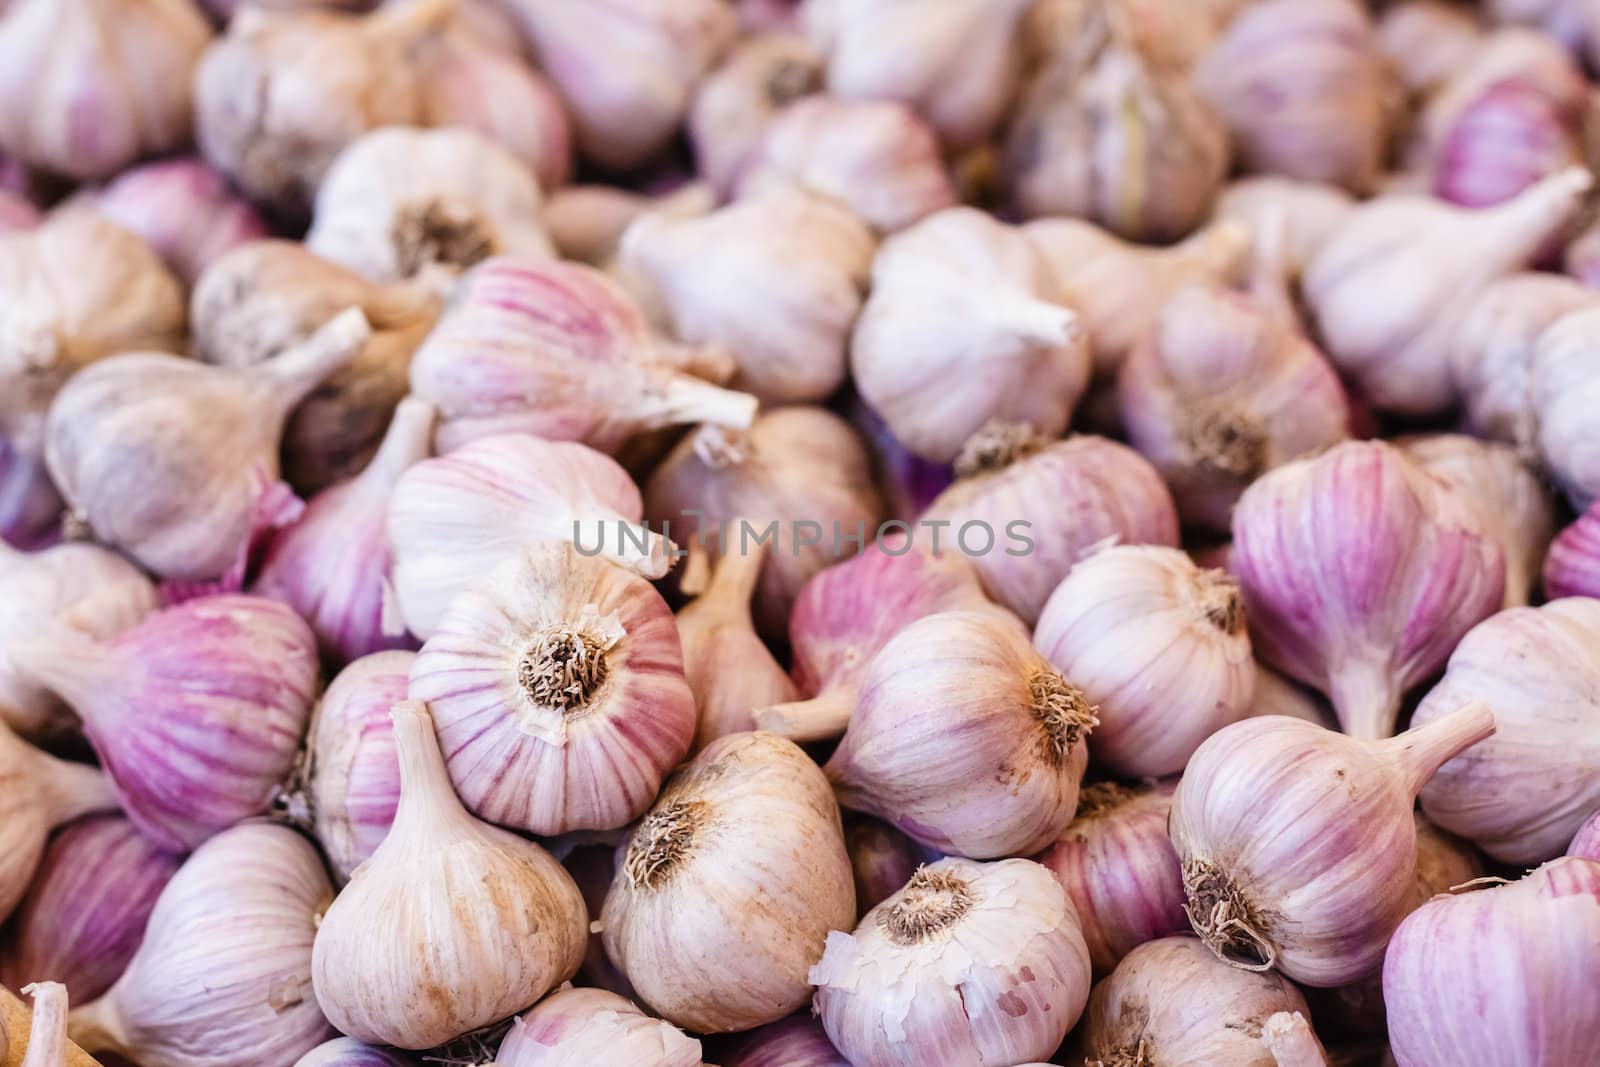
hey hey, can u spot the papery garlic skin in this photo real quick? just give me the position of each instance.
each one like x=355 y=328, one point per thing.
x=950 y=699
x=580 y=1027
x=876 y=157
x=963 y=298
x=798 y=261
x=979 y=963
x=1426 y=41
x=348 y=1052
x=761 y=77
x=1563 y=385
x=400 y=200
x=446 y=902
x=1573 y=566
x=749 y=818
x=224 y=973
x=184 y=209
x=1522 y=794
x=104 y=83
x=1529 y=948
x=1360 y=572
x=42 y=793
x=798 y=1041
x=558 y=693
x=1387 y=290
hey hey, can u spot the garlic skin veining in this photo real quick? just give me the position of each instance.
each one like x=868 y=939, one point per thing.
x=1563 y=386
x=558 y=692
x=186 y=211
x=963 y=298
x=400 y=200
x=761 y=77
x=978 y=963
x=580 y=1027
x=445 y=903
x=726 y=890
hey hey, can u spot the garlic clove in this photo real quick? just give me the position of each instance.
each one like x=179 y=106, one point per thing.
x=577 y=1027
x=459 y=905
x=1573 y=566
x=1562 y=386
x=760 y=78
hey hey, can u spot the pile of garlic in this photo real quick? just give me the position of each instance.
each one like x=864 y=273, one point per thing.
x=821 y=533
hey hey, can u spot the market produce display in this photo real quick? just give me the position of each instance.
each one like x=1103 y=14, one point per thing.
x=799 y=533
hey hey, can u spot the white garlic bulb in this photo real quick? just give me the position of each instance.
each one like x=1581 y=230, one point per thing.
x=972 y=963
x=448 y=905
x=401 y=199
x=727 y=889
x=763 y=76
x=582 y=1027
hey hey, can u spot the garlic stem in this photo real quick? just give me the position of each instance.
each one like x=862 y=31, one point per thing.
x=1528 y=220
x=1288 y=1037
x=711 y=363
x=97 y=1027
x=300 y=369
x=48 y=1032
x=1422 y=750
x=66 y=661
x=425 y=790
x=1366 y=698
x=675 y=397
x=737 y=572
x=408 y=441
x=822 y=718
x=75 y=789
x=1045 y=324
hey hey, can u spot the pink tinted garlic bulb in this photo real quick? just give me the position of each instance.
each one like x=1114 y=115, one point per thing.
x=1564 y=384
x=354 y=779
x=85 y=913
x=1119 y=870
x=333 y=564
x=882 y=858
x=1426 y=41
x=1586 y=843
x=876 y=157
x=979 y=963
x=1572 y=567
x=1298 y=844
x=558 y=692
x=1529 y=949
x=42 y=792
x=1360 y=572
x=559 y=350
x=963 y=326
x=1388 y=289
x=799 y=263
x=848 y=611
x=184 y=209
x=455 y=518
x=30 y=505
x=1158 y=645
x=196 y=713
x=1026 y=509
x=761 y=77
x=798 y=1041
x=1521 y=795
x=952 y=697
x=98 y=85
x=581 y=1027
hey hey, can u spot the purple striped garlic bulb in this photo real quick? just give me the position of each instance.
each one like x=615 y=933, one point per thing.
x=1360 y=571
x=581 y=1027
x=185 y=209
x=1573 y=566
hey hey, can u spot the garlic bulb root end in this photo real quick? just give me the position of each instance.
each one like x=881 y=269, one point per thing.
x=1225 y=918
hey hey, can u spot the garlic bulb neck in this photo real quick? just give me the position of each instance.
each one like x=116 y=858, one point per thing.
x=1225 y=917
x=663 y=841
x=1422 y=750
x=1215 y=597
x=300 y=369
x=931 y=903
x=564 y=667
x=997 y=446
x=48 y=1034
x=1063 y=711
x=426 y=794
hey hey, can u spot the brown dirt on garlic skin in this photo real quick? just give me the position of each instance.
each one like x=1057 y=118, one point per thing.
x=563 y=668
x=1226 y=443
x=996 y=446
x=1064 y=712
x=663 y=840
x=930 y=902
x=1226 y=919
x=437 y=232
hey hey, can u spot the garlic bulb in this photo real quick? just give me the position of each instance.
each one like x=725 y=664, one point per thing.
x=42 y=793
x=749 y=819
x=348 y=1052
x=1426 y=41
x=882 y=859
x=455 y=518
x=446 y=902
x=1298 y=845
x=17 y=212
x=1360 y=572
x=627 y=69
x=581 y=1027
x=1171 y=1002
x=800 y=265
x=283 y=92
x=876 y=157
x=1224 y=388
x=1563 y=385
x=196 y=712
x=184 y=209
x=354 y=781
x=716 y=631
x=269 y=296
x=848 y=611
x=956 y=64
x=559 y=350
x=558 y=692
x=1319 y=65
x=97 y=85
x=1491 y=351
x=908 y=482
x=223 y=976
x=1538 y=669
x=799 y=476
x=1572 y=22
x=85 y=912
x=1388 y=288
x=332 y=565
x=1573 y=566
x=1586 y=843
x=190 y=506
x=1055 y=502
x=1513 y=505
x=30 y=506
x=761 y=77
x=1158 y=646
x=78 y=585
x=978 y=963
x=400 y=200
x=944 y=704
x=1118 y=288
x=1119 y=870
x=962 y=326
x=798 y=1041
x=1529 y=948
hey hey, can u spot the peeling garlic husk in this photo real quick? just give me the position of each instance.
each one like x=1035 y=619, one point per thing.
x=400 y=200
x=751 y=818
x=978 y=963
x=579 y=1027
x=760 y=78
x=184 y=209
x=1563 y=387
x=1572 y=567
